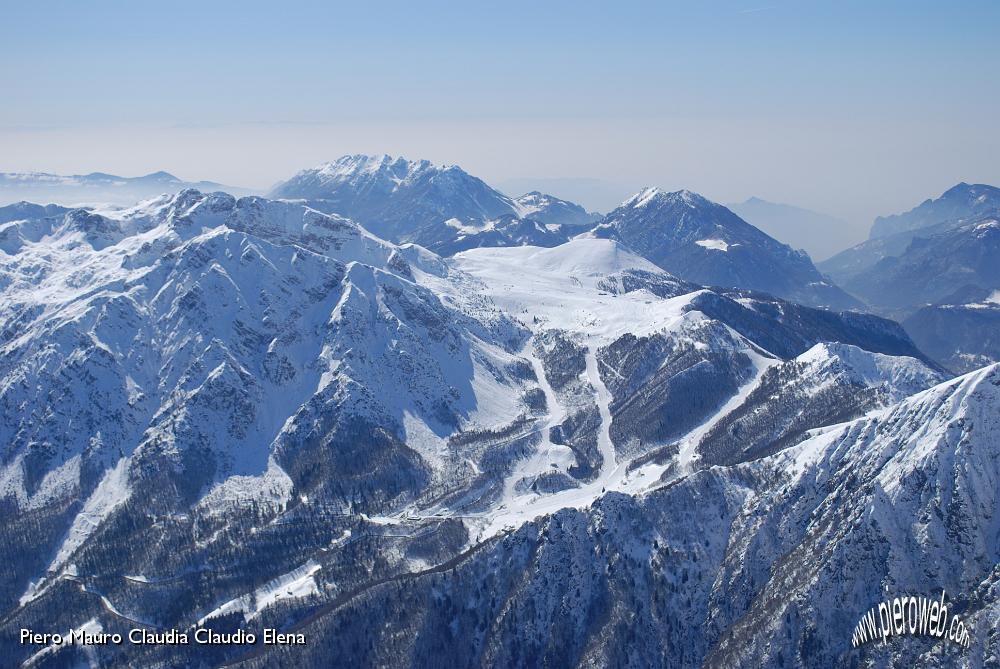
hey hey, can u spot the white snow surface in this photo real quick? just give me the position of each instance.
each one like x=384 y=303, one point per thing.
x=654 y=195
x=91 y=627
x=298 y=583
x=614 y=476
x=559 y=287
x=713 y=244
x=264 y=264
x=899 y=375
x=905 y=435
x=547 y=455
x=110 y=493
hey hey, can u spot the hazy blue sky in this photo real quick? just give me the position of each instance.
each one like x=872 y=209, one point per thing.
x=851 y=108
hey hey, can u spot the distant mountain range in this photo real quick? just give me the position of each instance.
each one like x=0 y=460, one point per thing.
x=594 y=194
x=936 y=263
x=704 y=242
x=96 y=187
x=892 y=235
x=817 y=234
x=447 y=210
x=959 y=202
x=934 y=268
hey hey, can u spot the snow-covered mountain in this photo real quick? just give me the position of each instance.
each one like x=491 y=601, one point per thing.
x=247 y=413
x=701 y=241
x=592 y=193
x=349 y=411
x=550 y=210
x=394 y=197
x=440 y=207
x=508 y=230
x=20 y=211
x=96 y=187
x=819 y=235
x=202 y=337
x=769 y=563
x=827 y=384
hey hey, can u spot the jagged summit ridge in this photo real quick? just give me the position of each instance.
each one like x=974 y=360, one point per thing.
x=655 y=196
x=441 y=207
x=395 y=197
x=356 y=164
